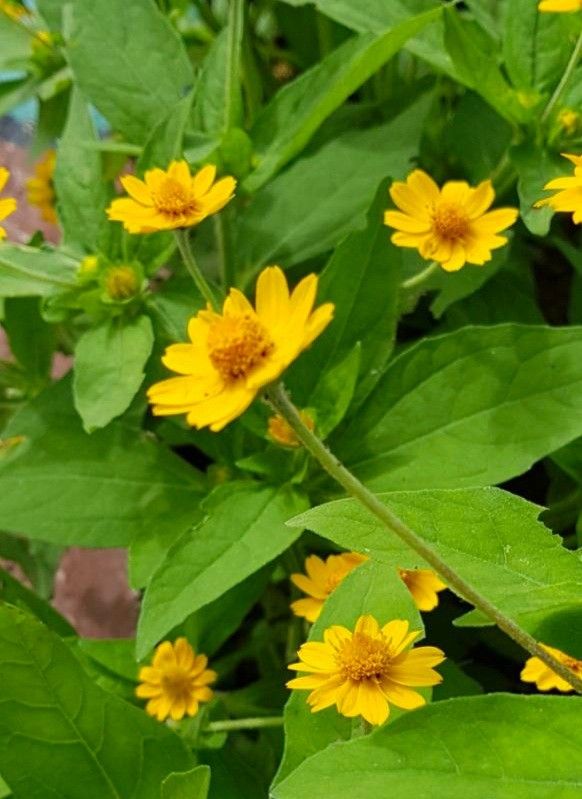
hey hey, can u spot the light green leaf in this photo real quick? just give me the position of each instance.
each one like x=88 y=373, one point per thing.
x=187 y=785
x=109 y=368
x=468 y=389
x=76 y=740
x=165 y=143
x=286 y=125
x=335 y=391
x=467 y=748
x=28 y=272
x=362 y=279
x=372 y=588
x=52 y=12
x=336 y=184
x=243 y=530
x=493 y=539
x=99 y=490
x=81 y=190
x=16 y=43
x=146 y=71
x=4 y=790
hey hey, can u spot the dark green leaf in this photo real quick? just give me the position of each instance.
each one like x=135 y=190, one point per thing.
x=31 y=339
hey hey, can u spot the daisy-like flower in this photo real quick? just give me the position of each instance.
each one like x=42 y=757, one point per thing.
x=176 y=682
x=568 y=196
x=365 y=671
x=170 y=199
x=7 y=204
x=560 y=5
x=321 y=579
x=232 y=355
x=40 y=189
x=281 y=433
x=424 y=586
x=536 y=671
x=452 y=225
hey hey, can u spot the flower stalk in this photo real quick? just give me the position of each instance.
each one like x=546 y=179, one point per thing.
x=281 y=402
x=565 y=80
x=183 y=240
x=420 y=278
x=232 y=725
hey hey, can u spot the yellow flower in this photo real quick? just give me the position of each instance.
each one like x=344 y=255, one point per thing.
x=170 y=199
x=424 y=586
x=13 y=10
x=560 y=5
x=281 y=433
x=40 y=188
x=536 y=671
x=363 y=672
x=232 y=355
x=568 y=196
x=176 y=682
x=451 y=225
x=322 y=578
x=8 y=204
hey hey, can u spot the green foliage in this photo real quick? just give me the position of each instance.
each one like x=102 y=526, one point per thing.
x=26 y=272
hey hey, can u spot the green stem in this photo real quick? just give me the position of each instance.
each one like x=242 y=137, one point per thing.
x=231 y=725
x=562 y=85
x=224 y=245
x=192 y=267
x=417 y=280
x=283 y=405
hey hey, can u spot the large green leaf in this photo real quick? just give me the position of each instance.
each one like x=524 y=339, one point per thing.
x=473 y=407
x=372 y=588
x=109 y=368
x=16 y=43
x=317 y=201
x=502 y=746
x=61 y=485
x=81 y=190
x=286 y=125
x=61 y=735
x=146 y=71
x=492 y=538
x=28 y=272
x=243 y=530
x=362 y=280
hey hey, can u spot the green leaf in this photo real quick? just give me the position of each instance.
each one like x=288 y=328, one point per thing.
x=81 y=190
x=336 y=184
x=468 y=388
x=371 y=588
x=165 y=143
x=109 y=368
x=90 y=490
x=362 y=280
x=536 y=167
x=52 y=12
x=16 y=43
x=187 y=785
x=463 y=749
x=13 y=592
x=28 y=272
x=335 y=391
x=75 y=739
x=31 y=338
x=287 y=124
x=476 y=65
x=146 y=71
x=493 y=539
x=218 y=554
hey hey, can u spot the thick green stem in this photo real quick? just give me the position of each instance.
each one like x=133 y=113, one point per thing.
x=283 y=405
x=563 y=84
x=420 y=278
x=231 y=725
x=193 y=268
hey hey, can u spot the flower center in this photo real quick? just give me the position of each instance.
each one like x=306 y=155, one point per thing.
x=173 y=198
x=449 y=222
x=363 y=658
x=236 y=345
x=176 y=683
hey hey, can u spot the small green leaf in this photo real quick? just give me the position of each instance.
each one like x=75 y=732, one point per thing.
x=286 y=125
x=217 y=554
x=76 y=740
x=462 y=749
x=146 y=72
x=187 y=785
x=109 y=368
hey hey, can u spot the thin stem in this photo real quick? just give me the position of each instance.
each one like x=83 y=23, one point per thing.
x=231 y=725
x=561 y=87
x=224 y=245
x=417 y=280
x=283 y=405
x=193 y=268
